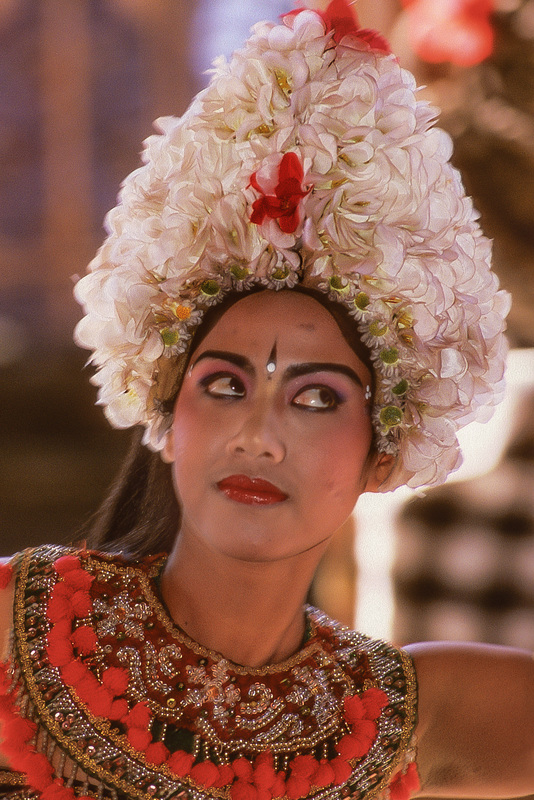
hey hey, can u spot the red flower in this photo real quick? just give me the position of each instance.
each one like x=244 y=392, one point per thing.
x=156 y=753
x=84 y=640
x=340 y=17
x=205 y=774
x=180 y=763
x=284 y=204
x=6 y=573
x=458 y=31
x=404 y=783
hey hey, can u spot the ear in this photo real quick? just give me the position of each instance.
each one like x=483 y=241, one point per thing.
x=379 y=471
x=167 y=452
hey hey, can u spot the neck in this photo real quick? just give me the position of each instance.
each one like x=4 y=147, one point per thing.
x=250 y=612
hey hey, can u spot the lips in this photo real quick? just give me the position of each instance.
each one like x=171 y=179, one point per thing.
x=251 y=491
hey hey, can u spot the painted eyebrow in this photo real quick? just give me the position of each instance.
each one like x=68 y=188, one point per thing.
x=297 y=370
x=223 y=355
x=294 y=371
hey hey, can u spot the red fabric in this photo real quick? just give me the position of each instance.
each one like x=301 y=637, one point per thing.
x=351 y=746
x=404 y=783
x=304 y=766
x=325 y=775
x=243 y=790
x=226 y=776
x=180 y=763
x=342 y=770
x=374 y=701
x=156 y=753
x=116 y=680
x=297 y=786
x=139 y=716
x=65 y=564
x=57 y=791
x=242 y=768
x=138 y=738
x=6 y=574
x=205 y=774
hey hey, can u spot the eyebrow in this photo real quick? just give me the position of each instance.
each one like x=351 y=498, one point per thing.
x=294 y=371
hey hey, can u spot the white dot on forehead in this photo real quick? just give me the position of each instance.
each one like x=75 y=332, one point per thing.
x=271 y=361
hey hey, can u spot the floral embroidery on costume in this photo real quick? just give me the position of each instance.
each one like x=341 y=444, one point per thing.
x=104 y=697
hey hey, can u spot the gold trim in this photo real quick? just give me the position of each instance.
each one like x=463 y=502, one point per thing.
x=408 y=728
x=9 y=778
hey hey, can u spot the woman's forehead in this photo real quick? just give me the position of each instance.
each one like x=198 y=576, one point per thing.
x=295 y=322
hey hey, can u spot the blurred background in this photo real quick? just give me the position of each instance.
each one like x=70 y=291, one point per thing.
x=80 y=83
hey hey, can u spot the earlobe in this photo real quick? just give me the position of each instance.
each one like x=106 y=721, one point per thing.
x=380 y=471
x=167 y=452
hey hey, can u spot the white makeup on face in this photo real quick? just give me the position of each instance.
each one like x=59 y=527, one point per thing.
x=271 y=363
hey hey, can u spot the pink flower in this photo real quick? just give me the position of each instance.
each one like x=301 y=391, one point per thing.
x=280 y=200
x=458 y=31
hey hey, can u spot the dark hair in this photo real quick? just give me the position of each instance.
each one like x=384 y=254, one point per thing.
x=140 y=515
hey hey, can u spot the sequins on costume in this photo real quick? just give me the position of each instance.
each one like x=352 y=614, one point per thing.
x=107 y=698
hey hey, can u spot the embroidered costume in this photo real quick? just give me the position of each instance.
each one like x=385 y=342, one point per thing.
x=103 y=696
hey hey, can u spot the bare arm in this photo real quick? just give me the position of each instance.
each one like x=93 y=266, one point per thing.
x=476 y=720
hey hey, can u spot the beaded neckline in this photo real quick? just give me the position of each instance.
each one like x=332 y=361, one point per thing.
x=113 y=683
x=310 y=631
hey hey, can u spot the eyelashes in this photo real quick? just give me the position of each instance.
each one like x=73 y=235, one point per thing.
x=314 y=397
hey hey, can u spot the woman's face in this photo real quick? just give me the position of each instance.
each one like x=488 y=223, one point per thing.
x=271 y=433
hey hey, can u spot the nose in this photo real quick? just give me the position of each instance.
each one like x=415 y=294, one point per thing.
x=259 y=435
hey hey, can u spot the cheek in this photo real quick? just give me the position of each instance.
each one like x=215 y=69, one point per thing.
x=339 y=459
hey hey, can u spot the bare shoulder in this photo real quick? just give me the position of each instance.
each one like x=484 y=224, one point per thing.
x=475 y=701
x=7 y=591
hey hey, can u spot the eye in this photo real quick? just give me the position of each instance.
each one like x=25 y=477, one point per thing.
x=223 y=385
x=317 y=398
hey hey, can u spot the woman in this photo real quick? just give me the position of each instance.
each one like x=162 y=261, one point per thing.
x=295 y=302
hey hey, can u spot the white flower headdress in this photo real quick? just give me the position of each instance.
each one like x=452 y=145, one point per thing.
x=307 y=160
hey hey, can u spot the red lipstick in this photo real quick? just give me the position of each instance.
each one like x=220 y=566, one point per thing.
x=251 y=491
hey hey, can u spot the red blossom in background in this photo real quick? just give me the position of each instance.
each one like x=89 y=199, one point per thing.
x=458 y=31
x=283 y=204
x=340 y=17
